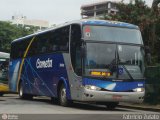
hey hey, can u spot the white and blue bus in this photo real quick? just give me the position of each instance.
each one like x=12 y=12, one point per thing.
x=87 y=60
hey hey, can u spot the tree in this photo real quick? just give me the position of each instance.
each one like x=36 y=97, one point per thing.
x=9 y=32
x=145 y=17
x=155 y=5
x=156 y=26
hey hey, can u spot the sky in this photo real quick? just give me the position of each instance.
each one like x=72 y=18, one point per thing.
x=54 y=11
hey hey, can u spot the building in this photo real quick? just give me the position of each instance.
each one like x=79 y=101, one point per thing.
x=22 y=20
x=98 y=9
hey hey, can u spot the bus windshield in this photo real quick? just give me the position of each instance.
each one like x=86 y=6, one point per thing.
x=101 y=61
x=112 y=34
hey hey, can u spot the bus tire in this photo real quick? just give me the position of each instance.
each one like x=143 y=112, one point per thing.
x=63 y=101
x=111 y=105
x=21 y=93
x=1 y=94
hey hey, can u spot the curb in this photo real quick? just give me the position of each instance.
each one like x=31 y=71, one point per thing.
x=140 y=107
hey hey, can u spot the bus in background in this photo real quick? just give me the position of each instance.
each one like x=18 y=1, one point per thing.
x=4 y=61
x=87 y=60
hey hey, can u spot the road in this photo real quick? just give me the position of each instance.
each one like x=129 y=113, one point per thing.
x=43 y=107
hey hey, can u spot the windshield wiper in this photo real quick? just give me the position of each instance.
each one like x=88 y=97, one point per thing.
x=118 y=60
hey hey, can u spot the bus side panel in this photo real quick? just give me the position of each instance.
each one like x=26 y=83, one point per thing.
x=41 y=74
x=75 y=82
x=13 y=74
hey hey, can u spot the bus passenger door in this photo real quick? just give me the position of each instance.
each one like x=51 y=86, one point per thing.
x=76 y=62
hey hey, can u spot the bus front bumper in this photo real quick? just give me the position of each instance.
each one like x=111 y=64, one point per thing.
x=107 y=96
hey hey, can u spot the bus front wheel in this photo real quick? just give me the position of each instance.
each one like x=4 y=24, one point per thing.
x=63 y=96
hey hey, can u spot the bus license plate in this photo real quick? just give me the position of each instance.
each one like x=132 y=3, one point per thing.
x=117 y=97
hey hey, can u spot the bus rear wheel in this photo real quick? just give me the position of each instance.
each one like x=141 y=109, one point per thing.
x=63 y=101
x=22 y=95
x=111 y=105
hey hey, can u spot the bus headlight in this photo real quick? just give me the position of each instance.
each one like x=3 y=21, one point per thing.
x=138 y=90
x=92 y=87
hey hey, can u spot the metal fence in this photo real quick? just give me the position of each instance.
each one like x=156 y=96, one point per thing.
x=152 y=95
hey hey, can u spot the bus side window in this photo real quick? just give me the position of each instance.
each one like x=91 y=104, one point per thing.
x=62 y=39
x=18 y=49
x=32 y=49
x=41 y=44
x=76 y=49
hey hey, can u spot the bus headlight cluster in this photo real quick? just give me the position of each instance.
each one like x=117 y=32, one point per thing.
x=92 y=87
x=138 y=90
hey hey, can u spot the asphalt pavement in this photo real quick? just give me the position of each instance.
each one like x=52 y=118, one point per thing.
x=41 y=108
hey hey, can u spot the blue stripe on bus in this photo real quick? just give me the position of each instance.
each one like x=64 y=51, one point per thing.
x=13 y=74
x=42 y=80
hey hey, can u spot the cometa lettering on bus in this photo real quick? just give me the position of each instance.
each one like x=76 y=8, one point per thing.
x=44 y=63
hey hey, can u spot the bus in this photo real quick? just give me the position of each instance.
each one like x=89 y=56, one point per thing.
x=4 y=61
x=94 y=61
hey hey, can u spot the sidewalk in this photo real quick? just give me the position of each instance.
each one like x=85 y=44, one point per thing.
x=143 y=106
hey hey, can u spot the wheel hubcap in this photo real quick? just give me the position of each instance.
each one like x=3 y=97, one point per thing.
x=63 y=95
x=21 y=91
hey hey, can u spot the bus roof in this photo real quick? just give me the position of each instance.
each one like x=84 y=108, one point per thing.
x=4 y=55
x=85 y=22
x=109 y=23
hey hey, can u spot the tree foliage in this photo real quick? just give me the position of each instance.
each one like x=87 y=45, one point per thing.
x=9 y=32
x=148 y=20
